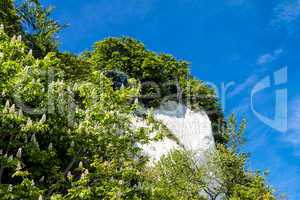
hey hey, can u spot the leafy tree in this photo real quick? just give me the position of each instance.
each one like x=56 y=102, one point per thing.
x=33 y=22
x=222 y=176
x=162 y=77
x=75 y=68
x=62 y=140
x=228 y=178
x=39 y=29
x=156 y=72
x=9 y=17
x=177 y=176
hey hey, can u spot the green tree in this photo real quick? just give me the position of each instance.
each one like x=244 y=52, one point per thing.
x=33 y=22
x=223 y=175
x=177 y=176
x=162 y=77
x=63 y=140
x=9 y=17
x=40 y=30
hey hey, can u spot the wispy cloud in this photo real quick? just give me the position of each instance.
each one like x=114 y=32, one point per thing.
x=241 y=108
x=286 y=15
x=287 y=11
x=269 y=57
x=243 y=86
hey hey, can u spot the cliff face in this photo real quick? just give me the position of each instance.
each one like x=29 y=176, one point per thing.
x=192 y=129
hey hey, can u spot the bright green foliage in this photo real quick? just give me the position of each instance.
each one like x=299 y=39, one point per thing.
x=255 y=188
x=70 y=140
x=222 y=176
x=177 y=176
x=228 y=178
x=235 y=134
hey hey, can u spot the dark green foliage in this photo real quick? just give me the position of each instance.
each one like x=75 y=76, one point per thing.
x=162 y=77
x=74 y=67
x=39 y=29
x=156 y=72
x=119 y=79
x=33 y=23
x=9 y=18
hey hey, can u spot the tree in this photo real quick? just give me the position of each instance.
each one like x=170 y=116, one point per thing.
x=162 y=77
x=9 y=18
x=61 y=140
x=177 y=176
x=33 y=23
x=222 y=176
x=39 y=29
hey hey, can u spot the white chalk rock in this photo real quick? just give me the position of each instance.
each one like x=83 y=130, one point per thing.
x=192 y=129
x=155 y=150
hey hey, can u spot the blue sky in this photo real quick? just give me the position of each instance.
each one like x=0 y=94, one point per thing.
x=227 y=41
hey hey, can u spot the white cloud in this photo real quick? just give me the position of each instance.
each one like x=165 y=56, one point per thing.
x=246 y=84
x=287 y=11
x=269 y=57
x=286 y=15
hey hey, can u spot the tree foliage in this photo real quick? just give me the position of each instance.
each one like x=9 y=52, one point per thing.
x=9 y=17
x=222 y=176
x=70 y=140
x=33 y=22
x=162 y=77
x=39 y=29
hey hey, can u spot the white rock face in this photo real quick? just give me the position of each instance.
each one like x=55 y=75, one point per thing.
x=193 y=130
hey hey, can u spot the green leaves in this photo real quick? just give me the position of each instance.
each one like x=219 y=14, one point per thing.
x=235 y=134
x=9 y=17
x=57 y=125
x=161 y=76
x=39 y=29
x=178 y=177
x=222 y=175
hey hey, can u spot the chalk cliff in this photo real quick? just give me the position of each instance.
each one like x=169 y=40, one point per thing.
x=192 y=129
